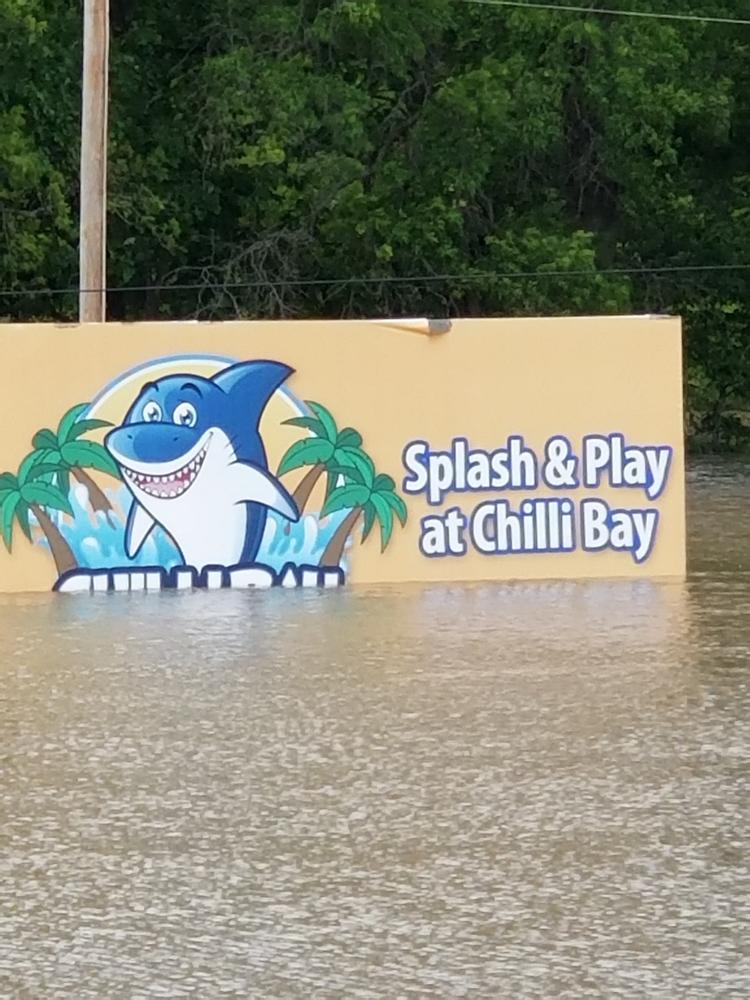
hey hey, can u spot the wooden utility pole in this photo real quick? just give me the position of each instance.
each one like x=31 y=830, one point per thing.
x=93 y=225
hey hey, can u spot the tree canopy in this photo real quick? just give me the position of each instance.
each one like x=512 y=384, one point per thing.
x=302 y=157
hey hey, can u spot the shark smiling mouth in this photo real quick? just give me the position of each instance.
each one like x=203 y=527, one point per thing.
x=171 y=486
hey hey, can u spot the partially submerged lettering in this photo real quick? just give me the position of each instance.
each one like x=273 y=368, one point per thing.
x=183 y=578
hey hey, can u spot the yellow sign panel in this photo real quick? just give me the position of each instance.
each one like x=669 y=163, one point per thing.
x=256 y=454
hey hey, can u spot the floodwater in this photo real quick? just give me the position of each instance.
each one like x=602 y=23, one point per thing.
x=523 y=791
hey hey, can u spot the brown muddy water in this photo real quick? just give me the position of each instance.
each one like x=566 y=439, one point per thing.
x=482 y=792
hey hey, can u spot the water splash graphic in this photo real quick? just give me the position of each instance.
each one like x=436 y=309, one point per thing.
x=98 y=540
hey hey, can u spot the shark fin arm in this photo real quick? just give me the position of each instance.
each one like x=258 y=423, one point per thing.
x=139 y=527
x=259 y=486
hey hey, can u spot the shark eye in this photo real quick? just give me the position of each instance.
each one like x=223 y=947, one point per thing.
x=185 y=415
x=151 y=412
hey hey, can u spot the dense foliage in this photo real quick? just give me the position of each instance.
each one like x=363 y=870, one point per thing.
x=259 y=148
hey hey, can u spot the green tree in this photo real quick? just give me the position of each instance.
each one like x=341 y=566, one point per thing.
x=39 y=111
x=275 y=154
x=368 y=497
x=26 y=493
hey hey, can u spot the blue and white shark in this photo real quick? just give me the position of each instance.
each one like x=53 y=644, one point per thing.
x=191 y=454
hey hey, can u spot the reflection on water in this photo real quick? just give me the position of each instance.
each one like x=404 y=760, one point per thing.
x=485 y=792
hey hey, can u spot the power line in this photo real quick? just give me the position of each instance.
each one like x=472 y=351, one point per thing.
x=571 y=8
x=415 y=279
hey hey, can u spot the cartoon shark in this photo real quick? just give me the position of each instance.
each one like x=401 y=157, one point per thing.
x=191 y=455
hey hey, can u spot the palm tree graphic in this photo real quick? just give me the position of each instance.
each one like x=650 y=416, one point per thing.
x=28 y=493
x=368 y=496
x=72 y=457
x=352 y=483
x=42 y=483
x=327 y=449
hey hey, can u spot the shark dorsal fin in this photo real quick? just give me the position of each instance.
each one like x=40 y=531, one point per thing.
x=255 y=381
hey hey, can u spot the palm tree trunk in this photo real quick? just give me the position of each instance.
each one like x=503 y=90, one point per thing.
x=303 y=492
x=334 y=552
x=62 y=553
x=97 y=497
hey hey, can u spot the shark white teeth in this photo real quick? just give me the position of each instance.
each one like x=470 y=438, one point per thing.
x=171 y=486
